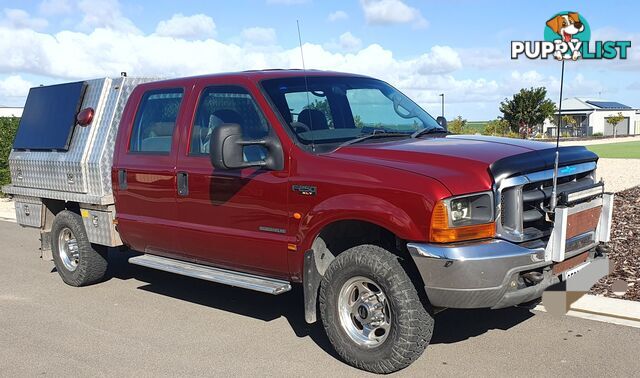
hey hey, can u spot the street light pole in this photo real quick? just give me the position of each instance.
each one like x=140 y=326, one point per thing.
x=442 y=95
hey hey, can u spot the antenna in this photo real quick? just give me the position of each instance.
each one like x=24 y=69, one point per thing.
x=554 y=191
x=306 y=85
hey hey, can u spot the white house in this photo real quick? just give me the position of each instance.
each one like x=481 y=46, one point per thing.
x=10 y=111
x=591 y=116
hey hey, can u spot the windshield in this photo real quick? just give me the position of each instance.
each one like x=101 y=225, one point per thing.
x=334 y=110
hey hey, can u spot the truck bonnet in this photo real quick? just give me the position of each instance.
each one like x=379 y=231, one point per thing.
x=463 y=163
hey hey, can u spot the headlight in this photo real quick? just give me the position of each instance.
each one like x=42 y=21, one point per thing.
x=464 y=217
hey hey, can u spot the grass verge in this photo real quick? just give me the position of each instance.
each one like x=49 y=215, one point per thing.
x=624 y=150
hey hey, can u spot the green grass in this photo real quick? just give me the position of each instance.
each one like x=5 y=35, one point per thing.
x=624 y=150
x=476 y=126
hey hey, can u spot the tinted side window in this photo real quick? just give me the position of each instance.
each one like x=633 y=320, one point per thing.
x=228 y=104
x=156 y=121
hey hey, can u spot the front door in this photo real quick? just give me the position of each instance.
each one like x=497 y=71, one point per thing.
x=231 y=218
x=144 y=175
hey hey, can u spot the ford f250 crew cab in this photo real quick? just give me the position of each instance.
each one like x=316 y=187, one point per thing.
x=336 y=182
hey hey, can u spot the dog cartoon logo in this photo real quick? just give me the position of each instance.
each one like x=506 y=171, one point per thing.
x=567 y=36
x=567 y=26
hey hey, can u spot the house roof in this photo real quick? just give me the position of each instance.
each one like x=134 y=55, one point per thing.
x=574 y=104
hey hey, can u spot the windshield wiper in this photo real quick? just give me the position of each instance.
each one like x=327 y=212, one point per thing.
x=375 y=135
x=433 y=130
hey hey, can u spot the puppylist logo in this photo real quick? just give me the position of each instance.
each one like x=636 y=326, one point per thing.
x=567 y=35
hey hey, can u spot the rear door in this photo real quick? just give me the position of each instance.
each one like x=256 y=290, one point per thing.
x=144 y=171
x=231 y=218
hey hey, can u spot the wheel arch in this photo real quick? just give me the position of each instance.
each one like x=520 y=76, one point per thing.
x=339 y=236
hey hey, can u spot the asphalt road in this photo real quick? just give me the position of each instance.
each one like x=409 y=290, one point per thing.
x=147 y=323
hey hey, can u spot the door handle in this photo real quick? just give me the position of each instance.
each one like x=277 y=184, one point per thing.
x=122 y=179
x=183 y=184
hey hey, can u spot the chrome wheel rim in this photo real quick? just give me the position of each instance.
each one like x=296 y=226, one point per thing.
x=68 y=249
x=364 y=312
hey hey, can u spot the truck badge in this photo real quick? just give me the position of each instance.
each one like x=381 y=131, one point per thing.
x=305 y=190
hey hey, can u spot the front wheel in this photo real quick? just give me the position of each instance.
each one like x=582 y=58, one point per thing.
x=371 y=311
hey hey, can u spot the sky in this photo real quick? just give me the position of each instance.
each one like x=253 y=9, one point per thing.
x=424 y=48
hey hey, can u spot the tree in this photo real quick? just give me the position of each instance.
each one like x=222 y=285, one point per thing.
x=614 y=120
x=357 y=120
x=323 y=106
x=570 y=122
x=496 y=127
x=8 y=128
x=457 y=125
x=528 y=108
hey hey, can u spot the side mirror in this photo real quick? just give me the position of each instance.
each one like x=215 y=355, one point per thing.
x=226 y=149
x=442 y=122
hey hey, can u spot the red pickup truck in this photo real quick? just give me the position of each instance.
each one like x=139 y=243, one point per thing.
x=337 y=182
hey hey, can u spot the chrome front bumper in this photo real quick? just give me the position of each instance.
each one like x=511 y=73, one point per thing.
x=488 y=273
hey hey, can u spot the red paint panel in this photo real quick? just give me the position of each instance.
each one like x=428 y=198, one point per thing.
x=146 y=208
x=232 y=218
x=393 y=185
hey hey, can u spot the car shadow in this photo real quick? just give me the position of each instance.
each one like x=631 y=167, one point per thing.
x=243 y=302
x=457 y=325
x=451 y=326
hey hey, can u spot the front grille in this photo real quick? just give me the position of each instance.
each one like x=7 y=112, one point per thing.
x=524 y=198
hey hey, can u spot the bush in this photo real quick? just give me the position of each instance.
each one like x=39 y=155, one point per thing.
x=8 y=128
x=458 y=125
x=513 y=134
x=597 y=134
x=496 y=127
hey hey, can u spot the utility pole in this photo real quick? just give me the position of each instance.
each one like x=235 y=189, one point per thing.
x=442 y=95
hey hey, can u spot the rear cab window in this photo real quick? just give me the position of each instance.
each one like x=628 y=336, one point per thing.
x=155 y=121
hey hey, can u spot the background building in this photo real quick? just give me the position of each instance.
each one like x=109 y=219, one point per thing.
x=591 y=117
x=10 y=111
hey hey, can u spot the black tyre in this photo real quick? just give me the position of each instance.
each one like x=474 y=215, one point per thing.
x=76 y=259
x=371 y=311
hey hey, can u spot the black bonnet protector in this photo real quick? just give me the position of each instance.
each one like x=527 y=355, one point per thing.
x=539 y=160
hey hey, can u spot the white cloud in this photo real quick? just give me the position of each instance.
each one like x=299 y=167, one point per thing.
x=632 y=63
x=384 y=12
x=257 y=36
x=104 y=14
x=106 y=52
x=73 y=55
x=575 y=85
x=19 y=19
x=489 y=58
x=635 y=86
x=13 y=89
x=349 y=42
x=198 y=26
x=55 y=7
x=346 y=42
x=337 y=16
x=440 y=60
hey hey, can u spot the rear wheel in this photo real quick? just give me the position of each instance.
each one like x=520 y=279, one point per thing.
x=77 y=261
x=371 y=311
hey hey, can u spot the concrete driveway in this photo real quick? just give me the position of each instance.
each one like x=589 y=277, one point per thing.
x=148 y=323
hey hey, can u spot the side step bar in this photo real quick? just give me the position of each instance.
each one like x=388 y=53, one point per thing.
x=228 y=277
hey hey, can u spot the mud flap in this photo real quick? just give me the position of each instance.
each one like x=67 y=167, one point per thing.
x=311 y=283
